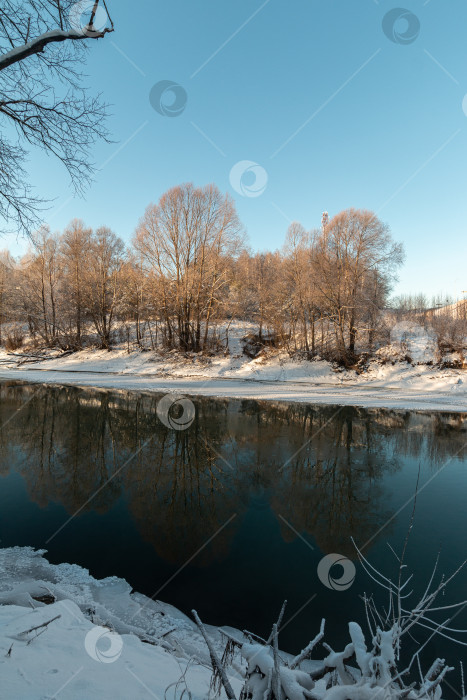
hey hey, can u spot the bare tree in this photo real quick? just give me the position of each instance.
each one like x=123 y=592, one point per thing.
x=75 y=245
x=42 y=101
x=103 y=285
x=299 y=250
x=354 y=246
x=39 y=281
x=134 y=307
x=185 y=240
x=6 y=287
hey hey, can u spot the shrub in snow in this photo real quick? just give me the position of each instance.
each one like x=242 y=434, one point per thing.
x=14 y=338
x=453 y=360
x=390 y=353
x=368 y=668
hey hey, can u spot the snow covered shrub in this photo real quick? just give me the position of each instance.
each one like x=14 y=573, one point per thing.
x=451 y=332
x=453 y=360
x=390 y=354
x=370 y=667
x=254 y=344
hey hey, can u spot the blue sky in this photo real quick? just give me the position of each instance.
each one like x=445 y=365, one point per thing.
x=314 y=92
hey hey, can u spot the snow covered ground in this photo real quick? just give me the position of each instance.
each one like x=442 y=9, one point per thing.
x=275 y=377
x=93 y=646
x=67 y=635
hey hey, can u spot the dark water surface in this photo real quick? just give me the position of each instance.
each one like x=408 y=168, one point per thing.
x=285 y=484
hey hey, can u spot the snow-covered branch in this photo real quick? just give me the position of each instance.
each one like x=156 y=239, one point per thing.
x=37 y=45
x=359 y=671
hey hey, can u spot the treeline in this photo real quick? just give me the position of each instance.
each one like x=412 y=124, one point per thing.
x=421 y=304
x=188 y=269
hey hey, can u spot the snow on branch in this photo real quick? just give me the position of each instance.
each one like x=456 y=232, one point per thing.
x=38 y=45
x=360 y=671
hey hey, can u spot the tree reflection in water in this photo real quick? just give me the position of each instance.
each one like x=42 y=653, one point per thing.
x=183 y=485
x=320 y=471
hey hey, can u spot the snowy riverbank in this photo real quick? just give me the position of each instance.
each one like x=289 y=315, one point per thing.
x=76 y=655
x=65 y=634
x=276 y=377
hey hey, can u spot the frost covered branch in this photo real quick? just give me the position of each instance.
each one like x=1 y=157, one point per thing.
x=360 y=671
x=38 y=45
